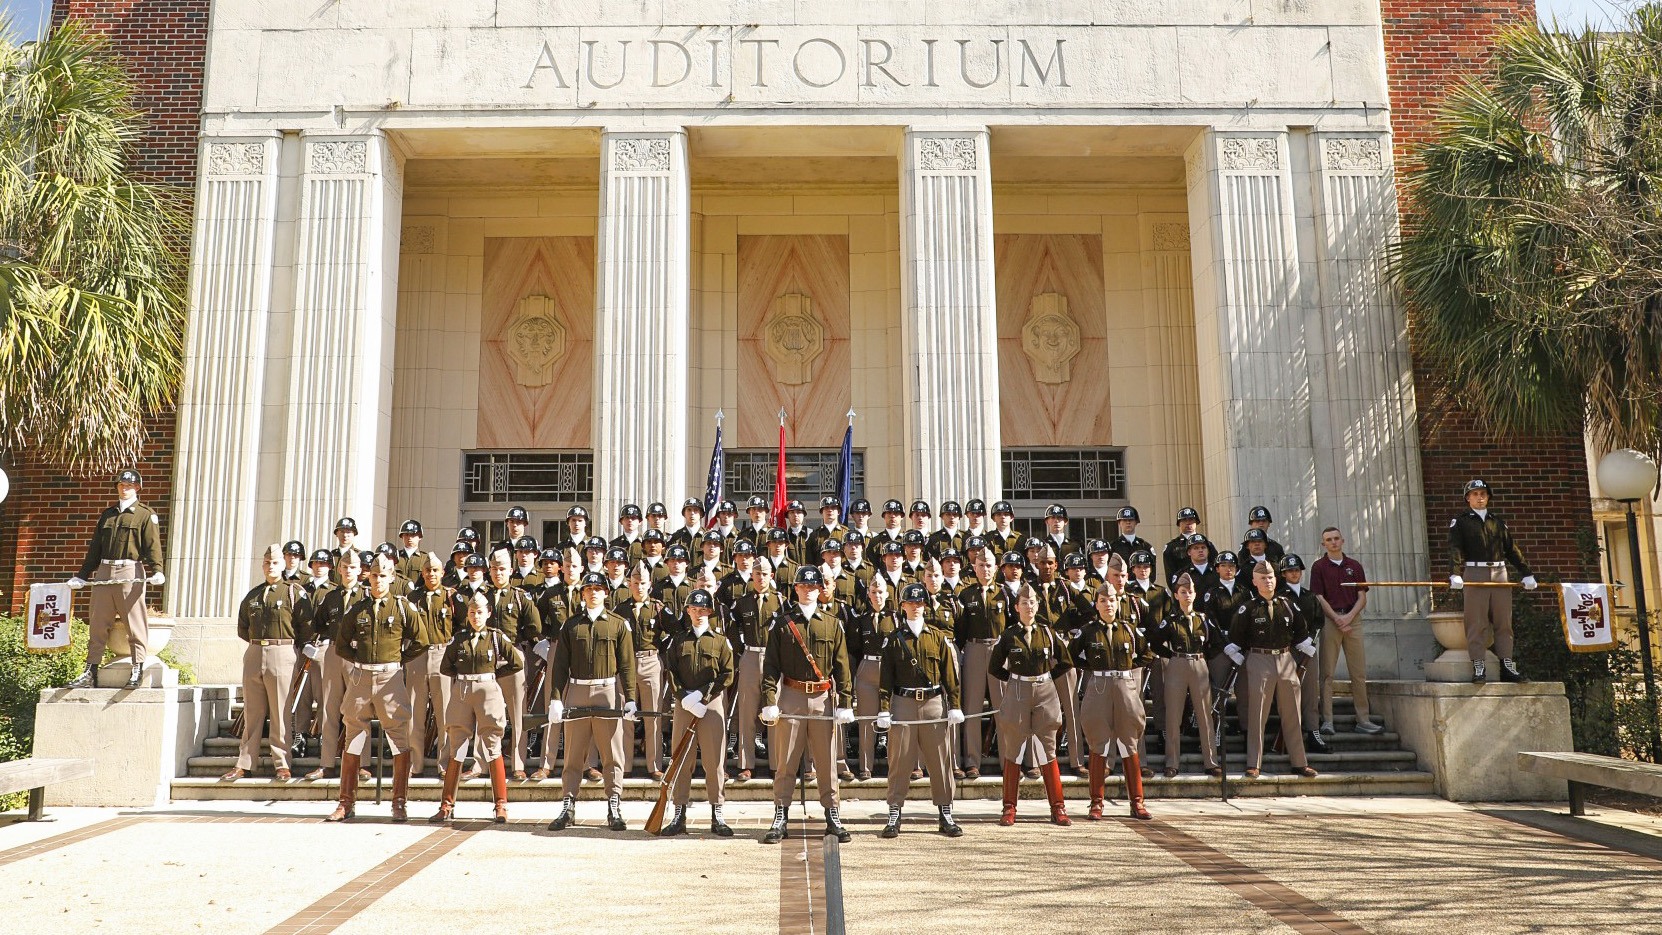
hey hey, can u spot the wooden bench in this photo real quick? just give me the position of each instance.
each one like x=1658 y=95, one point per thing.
x=36 y=773
x=1590 y=769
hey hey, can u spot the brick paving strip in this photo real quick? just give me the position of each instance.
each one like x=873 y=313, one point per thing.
x=333 y=910
x=1281 y=903
x=802 y=881
x=64 y=840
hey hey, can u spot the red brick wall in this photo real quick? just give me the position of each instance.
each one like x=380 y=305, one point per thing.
x=1540 y=483
x=45 y=521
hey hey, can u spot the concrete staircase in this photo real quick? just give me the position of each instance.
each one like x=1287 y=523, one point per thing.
x=1359 y=764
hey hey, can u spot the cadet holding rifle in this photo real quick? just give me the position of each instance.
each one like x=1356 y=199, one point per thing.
x=700 y=670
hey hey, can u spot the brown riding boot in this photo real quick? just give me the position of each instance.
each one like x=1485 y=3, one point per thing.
x=447 y=802
x=1052 y=773
x=401 y=787
x=1099 y=782
x=499 y=788
x=1012 y=788
x=347 y=806
x=1134 y=788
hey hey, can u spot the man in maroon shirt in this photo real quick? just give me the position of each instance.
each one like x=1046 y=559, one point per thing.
x=1342 y=606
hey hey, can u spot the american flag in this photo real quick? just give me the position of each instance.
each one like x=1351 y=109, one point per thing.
x=712 y=486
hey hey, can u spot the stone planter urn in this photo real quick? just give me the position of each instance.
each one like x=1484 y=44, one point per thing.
x=113 y=674
x=1455 y=664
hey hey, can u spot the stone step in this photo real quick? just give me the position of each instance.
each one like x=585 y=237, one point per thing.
x=1275 y=782
x=209 y=766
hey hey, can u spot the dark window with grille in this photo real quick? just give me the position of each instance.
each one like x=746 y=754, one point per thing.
x=528 y=477
x=809 y=475
x=1090 y=482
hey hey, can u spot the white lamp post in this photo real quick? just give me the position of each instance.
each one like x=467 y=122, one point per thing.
x=1630 y=476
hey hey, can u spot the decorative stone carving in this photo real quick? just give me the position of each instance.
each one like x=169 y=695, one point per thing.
x=534 y=339
x=1050 y=338
x=1249 y=152
x=418 y=238
x=793 y=338
x=1169 y=235
x=948 y=153
x=640 y=155
x=1352 y=153
x=338 y=157
x=236 y=158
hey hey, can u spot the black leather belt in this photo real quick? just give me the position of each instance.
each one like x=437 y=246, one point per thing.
x=918 y=694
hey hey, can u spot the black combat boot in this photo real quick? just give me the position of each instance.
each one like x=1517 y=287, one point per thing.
x=87 y=678
x=892 y=829
x=1509 y=672
x=717 y=826
x=947 y=825
x=1478 y=675
x=776 y=831
x=677 y=825
x=136 y=675
x=834 y=826
x=614 y=815
x=568 y=814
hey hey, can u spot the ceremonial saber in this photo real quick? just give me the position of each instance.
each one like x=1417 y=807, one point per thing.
x=1428 y=584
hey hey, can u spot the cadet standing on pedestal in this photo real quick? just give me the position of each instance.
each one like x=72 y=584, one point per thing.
x=266 y=620
x=700 y=669
x=1479 y=547
x=475 y=661
x=126 y=542
x=919 y=682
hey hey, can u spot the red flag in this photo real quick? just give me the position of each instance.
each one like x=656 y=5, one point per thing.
x=780 y=498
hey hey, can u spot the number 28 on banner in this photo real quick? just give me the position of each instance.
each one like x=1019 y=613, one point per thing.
x=48 y=619
x=1587 y=626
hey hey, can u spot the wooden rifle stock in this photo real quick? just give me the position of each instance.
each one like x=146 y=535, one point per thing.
x=677 y=762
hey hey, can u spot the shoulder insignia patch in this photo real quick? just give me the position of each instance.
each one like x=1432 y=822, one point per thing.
x=155 y=519
x=1452 y=522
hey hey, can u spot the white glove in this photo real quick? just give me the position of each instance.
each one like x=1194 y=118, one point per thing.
x=844 y=715
x=156 y=580
x=769 y=715
x=694 y=696
x=884 y=721
x=1308 y=647
x=76 y=583
x=1455 y=582
x=556 y=710
x=309 y=651
x=1529 y=583
x=694 y=707
x=1234 y=652
x=629 y=709
x=541 y=649
x=955 y=717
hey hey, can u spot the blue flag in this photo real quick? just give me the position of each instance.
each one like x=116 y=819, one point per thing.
x=845 y=471
x=712 y=487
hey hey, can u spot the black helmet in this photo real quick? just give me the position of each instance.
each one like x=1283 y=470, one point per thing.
x=951 y=508
x=913 y=593
x=409 y=527
x=1013 y=558
x=1291 y=562
x=809 y=574
x=701 y=598
x=677 y=553
x=976 y=505
x=296 y=547
x=463 y=547
x=892 y=506
x=629 y=511
x=324 y=556
x=1259 y=514
x=656 y=509
x=1476 y=484
x=912 y=537
x=1142 y=557
x=1256 y=535
x=860 y=506
x=346 y=523
x=1228 y=558
x=468 y=534
x=129 y=476
x=577 y=512
x=1056 y=510
x=1188 y=513
x=1003 y=506
x=517 y=514
x=1130 y=513
x=756 y=502
x=549 y=555
x=920 y=506
x=525 y=544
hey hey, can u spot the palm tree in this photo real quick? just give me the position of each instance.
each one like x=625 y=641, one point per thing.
x=1532 y=252
x=91 y=259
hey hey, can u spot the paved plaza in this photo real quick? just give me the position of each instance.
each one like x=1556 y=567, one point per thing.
x=1386 y=865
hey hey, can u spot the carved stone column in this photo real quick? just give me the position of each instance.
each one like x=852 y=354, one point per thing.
x=949 y=336
x=341 y=358
x=213 y=547
x=1367 y=452
x=641 y=295
x=1250 y=335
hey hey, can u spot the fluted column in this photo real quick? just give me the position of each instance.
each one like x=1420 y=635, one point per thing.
x=1367 y=438
x=213 y=549
x=1250 y=336
x=641 y=295
x=341 y=360
x=949 y=336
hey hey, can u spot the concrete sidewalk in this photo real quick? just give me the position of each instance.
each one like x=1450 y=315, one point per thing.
x=1393 y=865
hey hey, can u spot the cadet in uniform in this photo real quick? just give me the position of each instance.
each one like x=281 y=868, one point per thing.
x=307 y=669
x=377 y=635
x=1128 y=543
x=646 y=624
x=1479 y=547
x=1027 y=659
x=752 y=619
x=346 y=540
x=126 y=542
x=985 y=608
x=430 y=690
x=294 y=561
x=949 y=536
x=1056 y=532
x=1264 y=633
x=266 y=619
x=831 y=526
x=1112 y=650
x=517 y=522
x=630 y=539
x=593 y=666
x=805 y=672
x=333 y=666
x=871 y=631
x=1185 y=638
x=700 y=671
x=514 y=613
x=476 y=660
x=1259 y=518
x=1053 y=604
x=1310 y=616
x=1176 y=556
x=411 y=559
x=919 y=682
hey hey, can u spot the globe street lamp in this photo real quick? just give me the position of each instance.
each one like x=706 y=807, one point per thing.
x=1629 y=476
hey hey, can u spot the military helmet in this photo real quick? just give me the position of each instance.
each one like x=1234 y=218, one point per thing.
x=549 y=555
x=711 y=536
x=1188 y=513
x=950 y=554
x=594 y=544
x=677 y=553
x=296 y=547
x=629 y=511
x=1228 y=558
x=1130 y=513
x=701 y=598
x=693 y=503
x=1256 y=535
x=594 y=579
x=1291 y=562
x=744 y=547
x=912 y=537
x=654 y=535
x=468 y=534
x=347 y=524
x=1003 y=506
x=854 y=537
x=974 y=542
x=1096 y=546
x=831 y=544
x=1056 y=510
x=890 y=547
x=1142 y=557
x=726 y=506
x=324 y=556
x=892 y=506
x=794 y=506
x=1476 y=484
x=1259 y=514
x=976 y=505
x=576 y=512
x=951 y=508
x=1193 y=539
x=616 y=555
x=809 y=574
x=860 y=506
x=777 y=534
x=830 y=503
x=517 y=514
x=656 y=509
x=1074 y=560
x=129 y=476
x=409 y=527
x=387 y=549
x=1013 y=558
x=913 y=593
x=756 y=502
x=920 y=506
x=474 y=561
x=462 y=548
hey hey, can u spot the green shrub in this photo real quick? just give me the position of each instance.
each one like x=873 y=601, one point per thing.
x=23 y=675
x=1609 y=714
